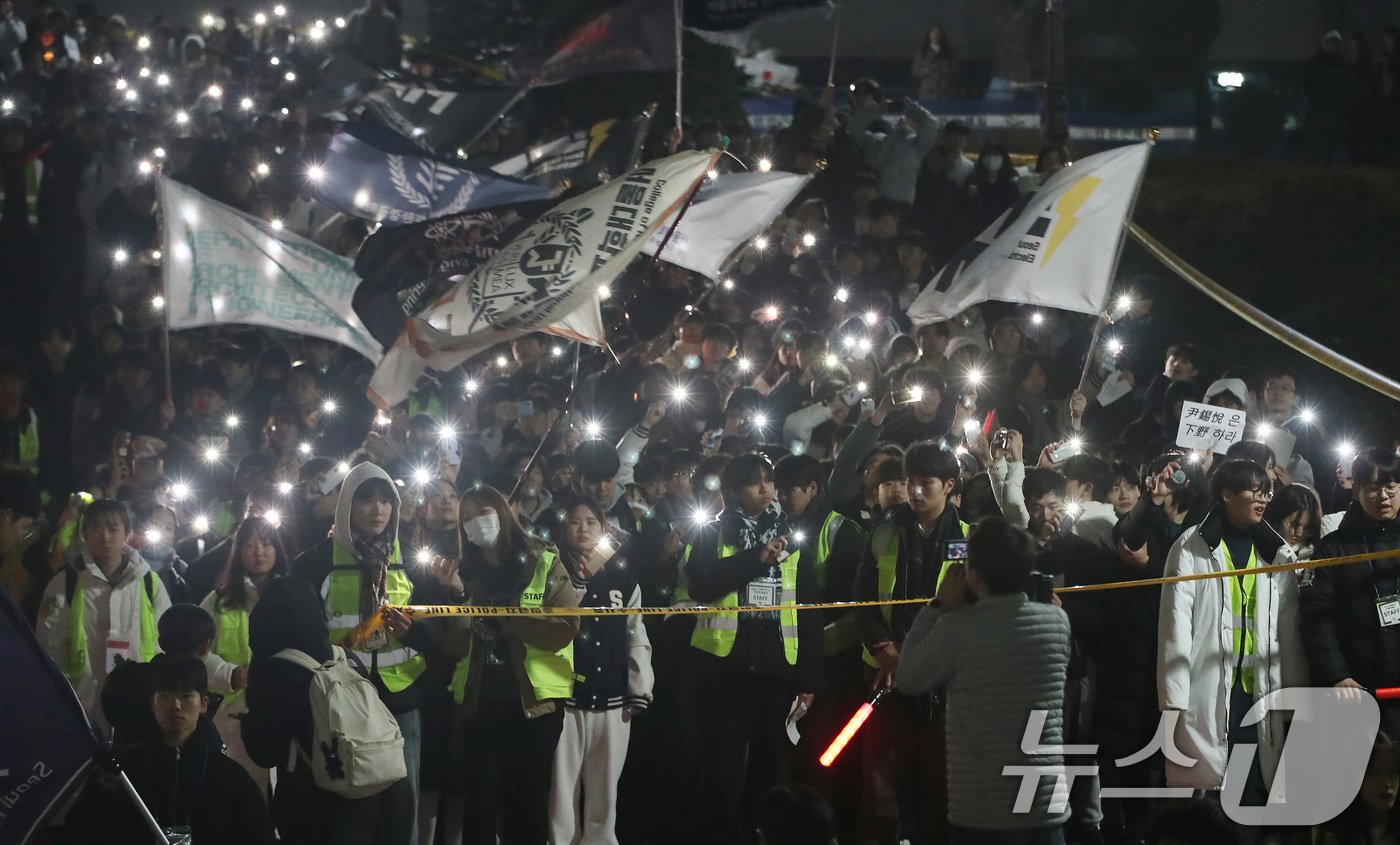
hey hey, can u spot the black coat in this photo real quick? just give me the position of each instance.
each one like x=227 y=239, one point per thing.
x=195 y=785
x=1341 y=631
x=758 y=648
x=289 y=615
x=920 y=561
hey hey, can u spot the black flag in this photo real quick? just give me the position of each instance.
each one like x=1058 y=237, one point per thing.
x=406 y=267
x=584 y=158
x=437 y=116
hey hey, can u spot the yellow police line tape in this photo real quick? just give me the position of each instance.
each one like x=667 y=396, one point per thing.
x=447 y=610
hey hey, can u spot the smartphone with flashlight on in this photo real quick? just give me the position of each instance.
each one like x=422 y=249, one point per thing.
x=333 y=480
x=1066 y=450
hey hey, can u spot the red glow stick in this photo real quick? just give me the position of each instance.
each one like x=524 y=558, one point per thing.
x=853 y=727
x=1388 y=692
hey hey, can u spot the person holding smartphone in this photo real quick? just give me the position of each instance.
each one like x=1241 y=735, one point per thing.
x=749 y=669
x=908 y=556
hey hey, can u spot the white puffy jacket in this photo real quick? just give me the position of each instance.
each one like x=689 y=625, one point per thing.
x=1195 y=651
x=113 y=613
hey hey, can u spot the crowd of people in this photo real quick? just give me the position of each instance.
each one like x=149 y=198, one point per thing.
x=207 y=527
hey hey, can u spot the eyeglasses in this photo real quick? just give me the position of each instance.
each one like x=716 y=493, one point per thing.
x=1280 y=388
x=1378 y=491
x=1263 y=497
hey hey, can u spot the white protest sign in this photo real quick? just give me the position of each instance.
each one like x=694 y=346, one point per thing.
x=224 y=266
x=1208 y=427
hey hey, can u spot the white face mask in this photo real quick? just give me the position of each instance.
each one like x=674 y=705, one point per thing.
x=993 y=163
x=483 y=530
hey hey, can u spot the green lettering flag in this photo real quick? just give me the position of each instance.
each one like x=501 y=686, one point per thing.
x=224 y=266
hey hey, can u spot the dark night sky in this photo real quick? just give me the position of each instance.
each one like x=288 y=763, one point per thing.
x=1254 y=29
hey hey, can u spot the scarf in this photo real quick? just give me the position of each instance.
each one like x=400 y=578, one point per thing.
x=757 y=531
x=373 y=558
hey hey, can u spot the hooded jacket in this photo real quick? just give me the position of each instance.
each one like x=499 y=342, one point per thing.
x=1195 y=651
x=315 y=565
x=112 y=614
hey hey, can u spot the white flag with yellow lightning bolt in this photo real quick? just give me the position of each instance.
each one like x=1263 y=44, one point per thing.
x=1056 y=247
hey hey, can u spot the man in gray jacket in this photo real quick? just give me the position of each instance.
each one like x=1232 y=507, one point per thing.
x=1002 y=660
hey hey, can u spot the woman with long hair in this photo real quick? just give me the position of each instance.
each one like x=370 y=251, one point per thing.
x=1296 y=514
x=598 y=717
x=934 y=65
x=256 y=556
x=514 y=674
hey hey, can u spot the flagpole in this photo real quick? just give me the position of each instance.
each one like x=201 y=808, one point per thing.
x=1117 y=257
x=157 y=833
x=1093 y=346
x=563 y=412
x=519 y=95
x=680 y=71
x=835 y=35
x=656 y=256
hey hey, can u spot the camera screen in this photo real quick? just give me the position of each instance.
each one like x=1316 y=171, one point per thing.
x=955 y=550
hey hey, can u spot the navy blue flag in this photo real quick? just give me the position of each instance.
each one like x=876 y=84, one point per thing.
x=436 y=115
x=636 y=35
x=47 y=744
x=725 y=15
x=405 y=268
x=375 y=174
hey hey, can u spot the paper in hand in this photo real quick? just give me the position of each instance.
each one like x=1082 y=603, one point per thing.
x=1115 y=387
x=799 y=709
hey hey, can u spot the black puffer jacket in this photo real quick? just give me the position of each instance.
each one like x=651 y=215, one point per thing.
x=1341 y=631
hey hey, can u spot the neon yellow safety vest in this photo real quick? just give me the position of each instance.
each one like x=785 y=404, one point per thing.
x=64 y=537
x=715 y=632
x=887 y=565
x=224 y=520
x=77 y=633
x=681 y=596
x=417 y=406
x=551 y=673
x=842 y=634
x=231 y=640
x=398 y=665
x=1242 y=615
x=29 y=445
x=33 y=175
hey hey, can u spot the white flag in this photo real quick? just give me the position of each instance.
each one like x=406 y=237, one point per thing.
x=729 y=211
x=224 y=266
x=1056 y=247
x=547 y=279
